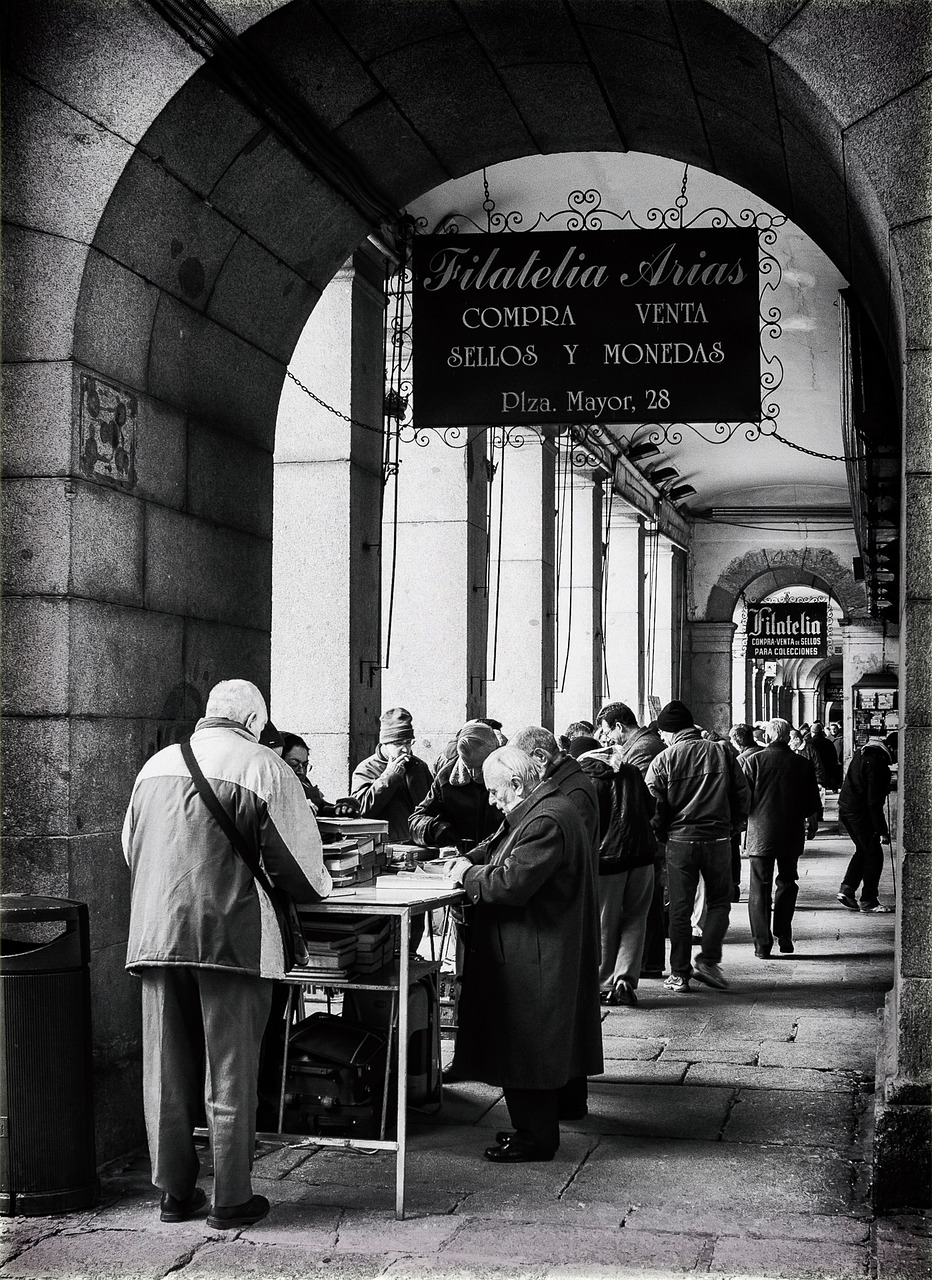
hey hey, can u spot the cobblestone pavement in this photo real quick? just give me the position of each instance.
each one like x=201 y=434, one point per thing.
x=727 y=1136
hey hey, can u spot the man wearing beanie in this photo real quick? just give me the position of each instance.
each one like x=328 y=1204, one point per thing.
x=701 y=799
x=391 y=783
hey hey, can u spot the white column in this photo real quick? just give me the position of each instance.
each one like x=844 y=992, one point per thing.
x=435 y=641
x=519 y=691
x=325 y=550
x=624 y=610
x=710 y=674
x=579 y=604
x=659 y=660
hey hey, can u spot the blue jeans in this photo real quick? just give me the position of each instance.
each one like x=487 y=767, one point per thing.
x=687 y=860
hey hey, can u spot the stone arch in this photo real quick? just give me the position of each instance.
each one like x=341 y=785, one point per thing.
x=758 y=573
x=165 y=248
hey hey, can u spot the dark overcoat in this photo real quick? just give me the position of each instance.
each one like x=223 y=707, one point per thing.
x=784 y=793
x=529 y=1013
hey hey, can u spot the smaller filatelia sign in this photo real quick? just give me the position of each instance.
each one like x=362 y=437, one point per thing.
x=586 y=326
x=777 y=631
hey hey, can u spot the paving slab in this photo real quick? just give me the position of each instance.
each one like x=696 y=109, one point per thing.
x=561 y=1209
x=632 y=1047
x=228 y=1260
x=791 y=1117
x=769 y=1225
x=442 y=1268
x=642 y=1072
x=794 y=1259
x=738 y=1077
x=855 y=1059
x=698 y=1053
x=721 y=1175
x=480 y=1242
x=650 y=1110
x=123 y=1255
x=669 y=1016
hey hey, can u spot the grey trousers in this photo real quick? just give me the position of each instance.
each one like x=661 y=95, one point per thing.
x=201 y=1032
x=624 y=900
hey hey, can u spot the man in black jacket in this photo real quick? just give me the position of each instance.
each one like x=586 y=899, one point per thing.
x=785 y=808
x=861 y=812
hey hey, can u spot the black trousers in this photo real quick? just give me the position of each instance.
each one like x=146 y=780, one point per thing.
x=784 y=901
x=535 y=1113
x=867 y=863
x=655 y=945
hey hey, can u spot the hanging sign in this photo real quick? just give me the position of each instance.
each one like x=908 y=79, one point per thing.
x=584 y=327
x=787 y=630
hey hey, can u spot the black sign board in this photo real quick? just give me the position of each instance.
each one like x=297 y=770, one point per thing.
x=777 y=631
x=588 y=326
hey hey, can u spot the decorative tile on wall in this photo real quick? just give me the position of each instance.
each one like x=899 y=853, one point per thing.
x=107 y=419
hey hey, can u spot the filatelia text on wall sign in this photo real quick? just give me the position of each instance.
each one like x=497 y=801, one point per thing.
x=787 y=630
x=589 y=326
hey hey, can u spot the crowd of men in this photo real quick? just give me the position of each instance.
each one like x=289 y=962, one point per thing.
x=577 y=858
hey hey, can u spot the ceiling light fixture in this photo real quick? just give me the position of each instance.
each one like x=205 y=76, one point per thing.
x=680 y=491
x=639 y=451
x=662 y=473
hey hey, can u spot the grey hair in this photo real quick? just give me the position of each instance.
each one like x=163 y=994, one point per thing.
x=534 y=738
x=511 y=762
x=777 y=730
x=235 y=700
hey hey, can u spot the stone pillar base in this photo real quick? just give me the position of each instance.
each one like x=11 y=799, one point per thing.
x=902 y=1149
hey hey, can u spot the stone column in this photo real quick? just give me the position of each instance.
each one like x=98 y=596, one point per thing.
x=325 y=550
x=659 y=659
x=903 y=1097
x=710 y=674
x=579 y=604
x=519 y=691
x=434 y=643
x=624 y=610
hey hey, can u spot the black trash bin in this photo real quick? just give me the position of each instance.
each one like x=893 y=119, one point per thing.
x=47 y=1157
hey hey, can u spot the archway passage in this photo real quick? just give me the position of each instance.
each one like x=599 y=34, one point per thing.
x=165 y=245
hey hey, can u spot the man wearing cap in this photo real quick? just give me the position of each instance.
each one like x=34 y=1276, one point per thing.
x=392 y=782
x=701 y=799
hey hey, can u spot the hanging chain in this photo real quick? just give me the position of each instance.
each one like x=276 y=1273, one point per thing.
x=829 y=457
x=488 y=204
x=354 y=422
x=683 y=199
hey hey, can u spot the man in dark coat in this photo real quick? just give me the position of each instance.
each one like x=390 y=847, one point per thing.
x=555 y=765
x=632 y=744
x=861 y=802
x=392 y=782
x=825 y=750
x=627 y=849
x=529 y=1017
x=785 y=809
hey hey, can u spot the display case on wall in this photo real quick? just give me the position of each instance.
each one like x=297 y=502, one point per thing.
x=875 y=705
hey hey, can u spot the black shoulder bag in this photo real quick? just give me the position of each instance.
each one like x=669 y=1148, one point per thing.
x=285 y=912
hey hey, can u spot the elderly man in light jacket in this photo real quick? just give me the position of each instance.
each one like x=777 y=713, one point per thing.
x=205 y=941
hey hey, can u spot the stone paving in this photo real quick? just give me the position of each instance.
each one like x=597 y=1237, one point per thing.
x=729 y=1135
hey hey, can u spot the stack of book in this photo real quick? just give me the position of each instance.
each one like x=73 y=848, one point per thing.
x=354 y=849
x=332 y=955
x=365 y=940
x=406 y=856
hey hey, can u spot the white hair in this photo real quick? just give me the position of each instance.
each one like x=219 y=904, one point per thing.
x=777 y=730
x=512 y=763
x=235 y=700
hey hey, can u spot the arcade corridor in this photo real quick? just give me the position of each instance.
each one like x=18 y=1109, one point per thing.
x=729 y=1134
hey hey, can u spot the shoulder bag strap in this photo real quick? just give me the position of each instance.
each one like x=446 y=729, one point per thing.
x=229 y=827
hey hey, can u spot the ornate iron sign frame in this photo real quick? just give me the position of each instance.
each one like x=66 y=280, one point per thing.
x=592 y=445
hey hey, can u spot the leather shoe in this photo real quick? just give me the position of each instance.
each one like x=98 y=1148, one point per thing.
x=517 y=1153
x=785 y=943
x=238 y=1215
x=504 y=1136
x=173 y=1210
x=762 y=953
